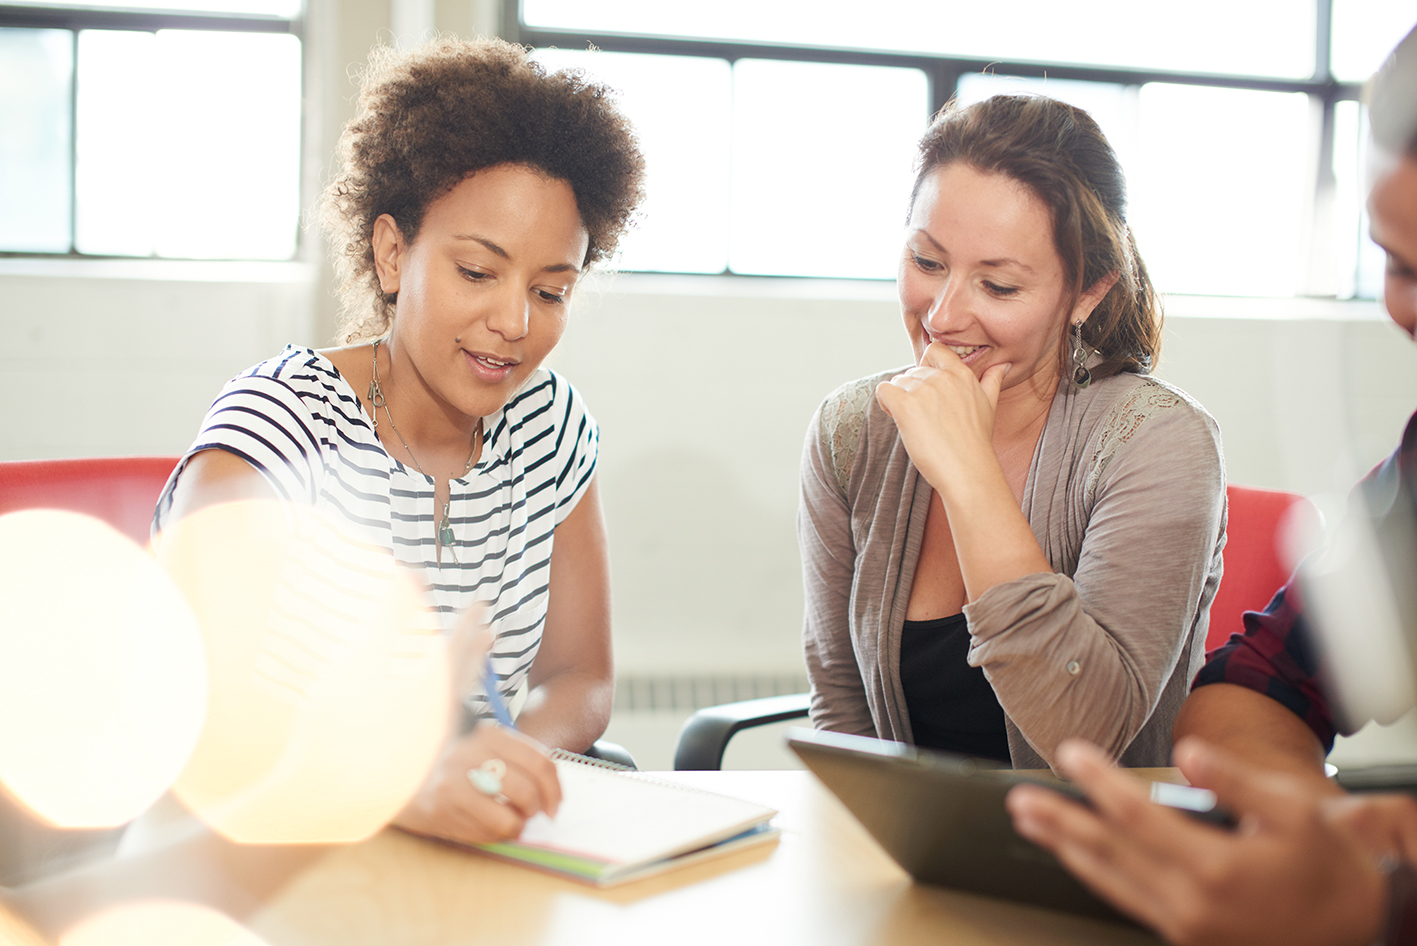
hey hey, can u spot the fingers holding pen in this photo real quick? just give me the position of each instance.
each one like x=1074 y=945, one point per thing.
x=484 y=788
x=529 y=784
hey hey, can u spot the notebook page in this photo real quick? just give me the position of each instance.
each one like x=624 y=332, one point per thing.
x=622 y=818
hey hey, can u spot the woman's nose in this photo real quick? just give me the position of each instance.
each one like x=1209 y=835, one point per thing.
x=510 y=315
x=946 y=307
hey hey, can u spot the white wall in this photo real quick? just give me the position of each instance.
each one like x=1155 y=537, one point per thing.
x=703 y=388
x=111 y=358
x=1309 y=394
x=703 y=401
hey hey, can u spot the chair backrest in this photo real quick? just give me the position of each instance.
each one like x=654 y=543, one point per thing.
x=121 y=491
x=1260 y=520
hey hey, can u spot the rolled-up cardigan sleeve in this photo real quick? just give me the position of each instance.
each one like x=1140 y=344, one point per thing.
x=828 y=568
x=1094 y=650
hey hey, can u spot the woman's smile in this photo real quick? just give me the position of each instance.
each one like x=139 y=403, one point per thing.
x=489 y=369
x=968 y=353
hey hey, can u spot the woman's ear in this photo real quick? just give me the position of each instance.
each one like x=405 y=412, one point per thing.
x=1092 y=295
x=388 y=252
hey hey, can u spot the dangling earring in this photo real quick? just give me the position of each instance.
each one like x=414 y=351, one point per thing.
x=1081 y=376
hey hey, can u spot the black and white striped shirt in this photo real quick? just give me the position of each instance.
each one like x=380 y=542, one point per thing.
x=297 y=421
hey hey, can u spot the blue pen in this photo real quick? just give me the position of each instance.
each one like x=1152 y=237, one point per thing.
x=494 y=698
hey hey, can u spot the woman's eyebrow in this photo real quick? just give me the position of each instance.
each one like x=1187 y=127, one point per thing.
x=1007 y=261
x=552 y=268
x=485 y=242
x=1000 y=261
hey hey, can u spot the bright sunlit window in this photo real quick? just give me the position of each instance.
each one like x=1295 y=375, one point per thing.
x=276 y=9
x=1364 y=31
x=1196 y=36
x=780 y=144
x=1227 y=163
x=682 y=108
x=727 y=164
x=821 y=175
x=176 y=135
x=36 y=82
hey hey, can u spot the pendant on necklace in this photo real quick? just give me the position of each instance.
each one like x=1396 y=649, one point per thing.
x=445 y=532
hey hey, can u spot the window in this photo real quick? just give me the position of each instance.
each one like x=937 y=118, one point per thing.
x=726 y=163
x=168 y=134
x=1242 y=156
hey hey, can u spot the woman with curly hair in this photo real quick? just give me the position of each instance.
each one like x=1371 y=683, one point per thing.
x=473 y=191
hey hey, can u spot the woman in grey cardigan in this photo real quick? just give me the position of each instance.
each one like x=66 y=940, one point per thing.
x=1017 y=539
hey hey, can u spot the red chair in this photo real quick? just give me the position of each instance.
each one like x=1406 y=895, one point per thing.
x=121 y=491
x=1260 y=522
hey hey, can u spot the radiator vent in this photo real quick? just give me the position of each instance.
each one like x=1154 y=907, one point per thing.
x=665 y=693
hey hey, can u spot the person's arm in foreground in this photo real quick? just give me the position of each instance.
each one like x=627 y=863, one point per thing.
x=1250 y=725
x=1296 y=871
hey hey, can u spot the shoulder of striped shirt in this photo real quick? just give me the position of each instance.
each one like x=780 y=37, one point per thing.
x=308 y=375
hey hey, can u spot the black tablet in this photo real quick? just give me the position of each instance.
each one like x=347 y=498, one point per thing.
x=942 y=817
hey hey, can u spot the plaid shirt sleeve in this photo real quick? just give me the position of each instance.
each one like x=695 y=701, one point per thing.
x=1276 y=655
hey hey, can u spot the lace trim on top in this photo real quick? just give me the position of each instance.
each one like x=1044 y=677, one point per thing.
x=1126 y=419
x=843 y=416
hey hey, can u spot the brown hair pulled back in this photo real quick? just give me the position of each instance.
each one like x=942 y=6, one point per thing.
x=429 y=118
x=1059 y=153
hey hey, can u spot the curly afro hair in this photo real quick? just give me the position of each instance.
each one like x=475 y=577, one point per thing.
x=429 y=118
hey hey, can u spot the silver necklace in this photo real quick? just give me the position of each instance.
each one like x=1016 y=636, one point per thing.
x=446 y=539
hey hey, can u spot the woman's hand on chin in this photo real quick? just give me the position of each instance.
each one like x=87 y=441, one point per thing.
x=449 y=805
x=945 y=414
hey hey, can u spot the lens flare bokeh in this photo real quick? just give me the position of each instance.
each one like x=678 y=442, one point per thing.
x=160 y=923
x=329 y=679
x=103 y=682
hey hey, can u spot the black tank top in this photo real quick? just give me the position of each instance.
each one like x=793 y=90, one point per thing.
x=951 y=705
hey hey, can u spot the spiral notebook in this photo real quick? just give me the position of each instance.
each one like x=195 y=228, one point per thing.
x=616 y=825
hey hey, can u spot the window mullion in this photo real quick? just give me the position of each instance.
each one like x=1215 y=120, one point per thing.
x=1323 y=41
x=944 y=83
x=73 y=141
x=511 y=26
x=1318 y=274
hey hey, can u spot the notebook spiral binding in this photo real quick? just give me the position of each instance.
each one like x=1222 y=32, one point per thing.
x=587 y=760
x=568 y=756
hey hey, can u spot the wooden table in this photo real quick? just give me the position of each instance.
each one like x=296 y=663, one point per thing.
x=824 y=882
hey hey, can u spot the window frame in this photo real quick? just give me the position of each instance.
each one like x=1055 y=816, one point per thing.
x=76 y=18
x=943 y=73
